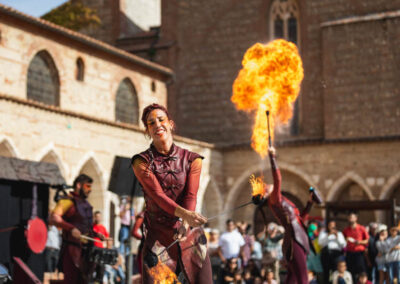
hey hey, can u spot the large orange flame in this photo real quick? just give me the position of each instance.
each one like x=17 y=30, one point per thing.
x=258 y=185
x=269 y=80
x=162 y=274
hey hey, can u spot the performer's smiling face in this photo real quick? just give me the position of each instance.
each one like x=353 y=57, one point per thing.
x=159 y=126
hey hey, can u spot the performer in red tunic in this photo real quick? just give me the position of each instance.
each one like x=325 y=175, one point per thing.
x=74 y=215
x=170 y=176
x=296 y=243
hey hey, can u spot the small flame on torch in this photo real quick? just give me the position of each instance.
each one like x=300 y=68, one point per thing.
x=258 y=185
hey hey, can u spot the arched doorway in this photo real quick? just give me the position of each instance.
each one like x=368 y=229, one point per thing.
x=52 y=158
x=96 y=197
x=7 y=150
x=352 y=191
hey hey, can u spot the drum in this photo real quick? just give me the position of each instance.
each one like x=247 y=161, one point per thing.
x=4 y=276
x=103 y=256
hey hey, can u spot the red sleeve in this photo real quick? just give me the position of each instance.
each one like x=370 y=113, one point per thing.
x=152 y=187
x=136 y=228
x=306 y=210
x=193 y=180
x=276 y=195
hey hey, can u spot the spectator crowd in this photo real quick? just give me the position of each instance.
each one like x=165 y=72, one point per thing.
x=357 y=254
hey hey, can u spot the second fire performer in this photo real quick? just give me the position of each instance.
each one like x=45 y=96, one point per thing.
x=296 y=243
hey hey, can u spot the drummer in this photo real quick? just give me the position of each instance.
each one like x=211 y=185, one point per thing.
x=74 y=215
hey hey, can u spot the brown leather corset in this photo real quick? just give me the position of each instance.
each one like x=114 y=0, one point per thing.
x=82 y=218
x=171 y=172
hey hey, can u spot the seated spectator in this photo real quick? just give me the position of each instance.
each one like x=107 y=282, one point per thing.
x=363 y=278
x=341 y=275
x=114 y=273
x=270 y=277
x=238 y=277
x=312 y=278
x=213 y=253
x=229 y=272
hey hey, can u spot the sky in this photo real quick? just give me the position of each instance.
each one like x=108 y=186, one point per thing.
x=34 y=8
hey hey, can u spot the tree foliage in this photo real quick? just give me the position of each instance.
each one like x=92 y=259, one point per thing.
x=74 y=16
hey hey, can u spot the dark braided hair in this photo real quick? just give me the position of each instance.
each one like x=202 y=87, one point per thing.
x=147 y=110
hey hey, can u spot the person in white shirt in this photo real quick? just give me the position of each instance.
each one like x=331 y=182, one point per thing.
x=332 y=243
x=230 y=243
x=341 y=274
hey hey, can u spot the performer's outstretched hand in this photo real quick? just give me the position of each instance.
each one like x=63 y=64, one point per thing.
x=271 y=150
x=193 y=218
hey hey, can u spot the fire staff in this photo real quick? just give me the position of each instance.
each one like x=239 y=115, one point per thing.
x=170 y=178
x=296 y=243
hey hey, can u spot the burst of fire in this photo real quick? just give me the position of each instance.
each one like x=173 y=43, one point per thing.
x=269 y=80
x=162 y=274
x=257 y=185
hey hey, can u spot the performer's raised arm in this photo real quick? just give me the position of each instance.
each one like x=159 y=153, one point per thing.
x=276 y=195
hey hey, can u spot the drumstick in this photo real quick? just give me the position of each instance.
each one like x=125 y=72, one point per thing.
x=90 y=239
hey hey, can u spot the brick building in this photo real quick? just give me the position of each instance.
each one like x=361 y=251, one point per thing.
x=68 y=99
x=344 y=137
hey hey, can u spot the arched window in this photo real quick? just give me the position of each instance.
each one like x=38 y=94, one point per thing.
x=284 y=23
x=284 y=20
x=43 y=81
x=80 y=69
x=126 y=103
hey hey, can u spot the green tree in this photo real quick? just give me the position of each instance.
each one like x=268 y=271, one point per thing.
x=74 y=16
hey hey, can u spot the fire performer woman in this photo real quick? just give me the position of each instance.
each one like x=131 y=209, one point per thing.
x=296 y=244
x=170 y=179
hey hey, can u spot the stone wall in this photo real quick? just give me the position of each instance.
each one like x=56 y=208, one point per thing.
x=346 y=66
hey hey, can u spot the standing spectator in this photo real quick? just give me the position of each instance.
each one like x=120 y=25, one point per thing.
x=383 y=247
x=230 y=243
x=393 y=257
x=372 y=251
x=126 y=214
x=341 y=275
x=314 y=257
x=332 y=243
x=363 y=279
x=273 y=248
x=103 y=234
x=248 y=243
x=99 y=229
x=357 y=240
x=257 y=253
x=52 y=249
x=213 y=244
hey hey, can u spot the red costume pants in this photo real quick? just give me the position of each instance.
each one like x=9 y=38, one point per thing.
x=297 y=266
